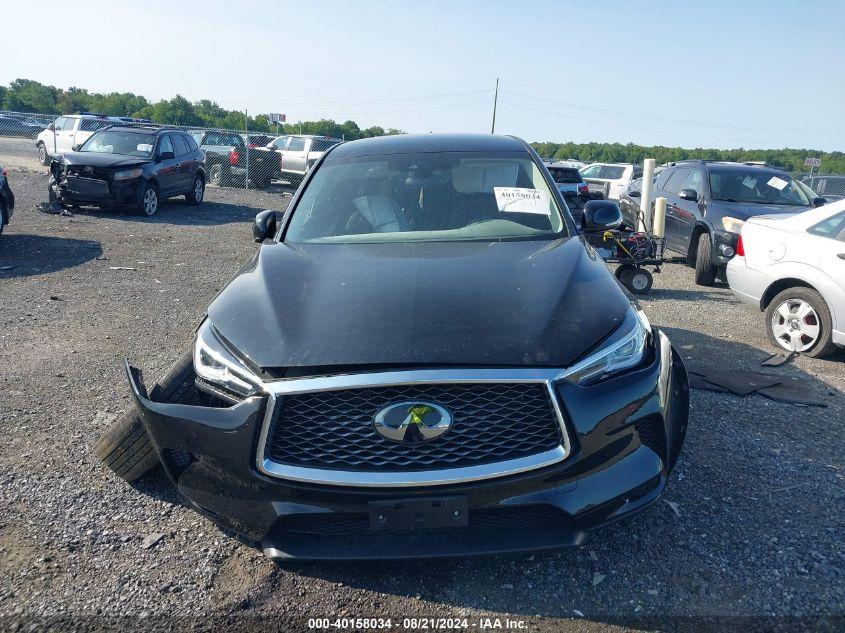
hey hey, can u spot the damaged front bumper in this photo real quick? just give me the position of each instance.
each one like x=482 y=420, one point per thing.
x=74 y=190
x=625 y=433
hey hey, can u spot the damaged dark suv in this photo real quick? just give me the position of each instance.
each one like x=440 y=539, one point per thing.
x=130 y=166
x=424 y=358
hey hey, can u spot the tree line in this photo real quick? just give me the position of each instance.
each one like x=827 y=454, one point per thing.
x=26 y=95
x=787 y=159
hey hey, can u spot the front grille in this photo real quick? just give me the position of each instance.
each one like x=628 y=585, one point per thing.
x=491 y=422
x=480 y=520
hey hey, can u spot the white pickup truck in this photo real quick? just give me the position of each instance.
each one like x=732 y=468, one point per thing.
x=73 y=129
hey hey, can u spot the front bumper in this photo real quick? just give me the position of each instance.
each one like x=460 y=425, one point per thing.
x=626 y=435
x=93 y=191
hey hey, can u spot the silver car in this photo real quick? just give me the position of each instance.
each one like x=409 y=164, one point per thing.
x=792 y=266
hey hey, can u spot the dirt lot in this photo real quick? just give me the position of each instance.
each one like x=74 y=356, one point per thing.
x=753 y=521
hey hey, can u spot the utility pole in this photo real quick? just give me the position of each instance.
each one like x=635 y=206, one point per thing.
x=495 y=102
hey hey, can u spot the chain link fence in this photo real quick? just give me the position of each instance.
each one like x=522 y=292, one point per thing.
x=829 y=186
x=233 y=158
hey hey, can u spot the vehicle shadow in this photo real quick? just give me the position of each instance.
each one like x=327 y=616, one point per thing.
x=750 y=485
x=180 y=213
x=24 y=255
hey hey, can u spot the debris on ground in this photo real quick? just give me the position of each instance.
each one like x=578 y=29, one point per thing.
x=776 y=360
x=151 y=540
x=53 y=208
x=121 y=268
x=742 y=383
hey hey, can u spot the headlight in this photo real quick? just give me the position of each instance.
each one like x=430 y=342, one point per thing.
x=216 y=364
x=126 y=174
x=732 y=225
x=625 y=348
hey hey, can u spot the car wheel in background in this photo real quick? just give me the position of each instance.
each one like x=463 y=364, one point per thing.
x=43 y=156
x=705 y=272
x=798 y=320
x=195 y=195
x=147 y=200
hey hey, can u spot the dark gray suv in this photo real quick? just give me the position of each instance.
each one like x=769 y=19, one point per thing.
x=707 y=203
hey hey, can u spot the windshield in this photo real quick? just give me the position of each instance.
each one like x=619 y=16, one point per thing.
x=117 y=142
x=565 y=175
x=442 y=196
x=756 y=187
x=608 y=172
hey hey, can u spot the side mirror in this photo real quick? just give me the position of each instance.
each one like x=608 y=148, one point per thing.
x=688 y=194
x=634 y=194
x=265 y=225
x=819 y=202
x=166 y=156
x=52 y=127
x=75 y=148
x=601 y=215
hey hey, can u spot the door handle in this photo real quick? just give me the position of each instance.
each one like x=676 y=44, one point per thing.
x=841 y=255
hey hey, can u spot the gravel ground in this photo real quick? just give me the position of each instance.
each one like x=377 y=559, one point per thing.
x=752 y=523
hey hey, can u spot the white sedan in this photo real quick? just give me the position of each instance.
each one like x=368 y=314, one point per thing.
x=792 y=266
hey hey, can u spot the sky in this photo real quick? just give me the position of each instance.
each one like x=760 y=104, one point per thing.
x=743 y=73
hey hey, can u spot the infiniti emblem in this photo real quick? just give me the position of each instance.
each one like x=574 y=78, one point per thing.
x=412 y=421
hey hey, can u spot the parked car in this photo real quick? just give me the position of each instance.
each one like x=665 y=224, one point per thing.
x=226 y=158
x=572 y=187
x=297 y=153
x=423 y=359
x=792 y=267
x=136 y=166
x=707 y=203
x=610 y=179
x=829 y=186
x=629 y=203
x=19 y=125
x=7 y=199
x=74 y=129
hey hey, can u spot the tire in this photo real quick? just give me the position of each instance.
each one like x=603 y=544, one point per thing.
x=793 y=328
x=215 y=175
x=705 y=271
x=148 y=200
x=125 y=447
x=622 y=271
x=195 y=195
x=43 y=156
x=639 y=281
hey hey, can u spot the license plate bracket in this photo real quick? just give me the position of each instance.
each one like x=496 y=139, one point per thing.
x=423 y=513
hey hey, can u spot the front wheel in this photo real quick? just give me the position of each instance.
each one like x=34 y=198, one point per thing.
x=43 y=156
x=705 y=271
x=195 y=195
x=798 y=320
x=639 y=281
x=148 y=200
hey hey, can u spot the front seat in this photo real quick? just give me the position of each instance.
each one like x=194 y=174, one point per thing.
x=381 y=212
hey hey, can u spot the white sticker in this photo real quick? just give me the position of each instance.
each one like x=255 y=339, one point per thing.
x=144 y=147
x=520 y=200
x=749 y=182
x=777 y=183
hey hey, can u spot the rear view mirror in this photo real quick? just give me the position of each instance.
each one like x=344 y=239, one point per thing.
x=819 y=202
x=265 y=225
x=601 y=215
x=688 y=194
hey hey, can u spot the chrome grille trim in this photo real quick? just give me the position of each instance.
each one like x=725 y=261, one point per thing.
x=277 y=388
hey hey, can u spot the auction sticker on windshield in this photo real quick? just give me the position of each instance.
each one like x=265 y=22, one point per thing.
x=777 y=183
x=144 y=147
x=521 y=200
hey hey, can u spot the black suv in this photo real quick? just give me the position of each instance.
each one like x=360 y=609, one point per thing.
x=424 y=358
x=707 y=202
x=135 y=166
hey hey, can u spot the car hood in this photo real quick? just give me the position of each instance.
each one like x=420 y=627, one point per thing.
x=95 y=159
x=744 y=211
x=447 y=303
